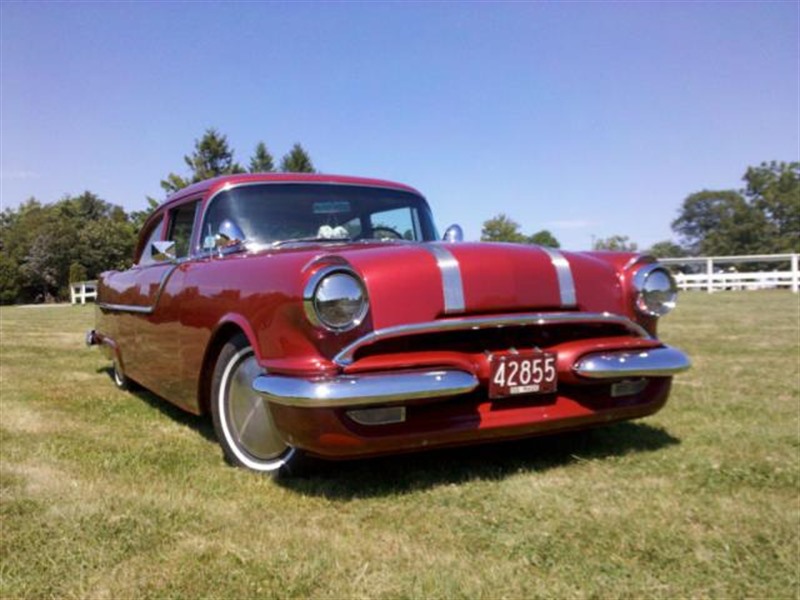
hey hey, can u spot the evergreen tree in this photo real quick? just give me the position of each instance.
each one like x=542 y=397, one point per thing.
x=211 y=157
x=297 y=161
x=262 y=161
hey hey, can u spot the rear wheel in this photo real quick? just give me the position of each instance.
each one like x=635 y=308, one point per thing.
x=242 y=419
x=120 y=380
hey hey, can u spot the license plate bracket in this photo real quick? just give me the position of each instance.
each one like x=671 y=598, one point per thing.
x=522 y=372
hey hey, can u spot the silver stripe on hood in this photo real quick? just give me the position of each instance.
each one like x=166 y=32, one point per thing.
x=452 y=286
x=566 y=284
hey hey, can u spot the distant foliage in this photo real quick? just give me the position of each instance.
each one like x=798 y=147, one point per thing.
x=44 y=247
x=262 y=161
x=666 y=249
x=297 y=161
x=213 y=156
x=616 y=243
x=762 y=218
x=544 y=238
x=502 y=228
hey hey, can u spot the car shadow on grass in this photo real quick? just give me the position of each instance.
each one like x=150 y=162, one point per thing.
x=493 y=461
x=406 y=473
x=200 y=424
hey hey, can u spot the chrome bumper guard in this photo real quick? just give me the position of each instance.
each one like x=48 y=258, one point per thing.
x=387 y=388
x=654 y=362
x=357 y=390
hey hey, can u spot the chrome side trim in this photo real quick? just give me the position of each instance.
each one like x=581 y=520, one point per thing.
x=566 y=283
x=358 y=390
x=144 y=310
x=654 y=362
x=452 y=285
x=135 y=308
x=346 y=355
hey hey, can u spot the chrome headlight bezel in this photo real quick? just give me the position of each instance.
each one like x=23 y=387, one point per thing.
x=656 y=292
x=336 y=280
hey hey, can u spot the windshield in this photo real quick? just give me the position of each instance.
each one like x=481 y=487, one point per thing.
x=272 y=213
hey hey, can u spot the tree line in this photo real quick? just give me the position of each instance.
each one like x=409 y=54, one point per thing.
x=45 y=247
x=761 y=218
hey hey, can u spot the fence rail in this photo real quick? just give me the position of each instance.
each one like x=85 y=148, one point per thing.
x=714 y=278
x=82 y=291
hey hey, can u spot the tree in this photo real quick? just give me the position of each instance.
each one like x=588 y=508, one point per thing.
x=45 y=246
x=138 y=217
x=297 y=161
x=722 y=223
x=501 y=229
x=774 y=189
x=262 y=161
x=544 y=238
x=211 y=157
x=10 y=279
x=77 y=272
x=616 y=243
x=666 y=249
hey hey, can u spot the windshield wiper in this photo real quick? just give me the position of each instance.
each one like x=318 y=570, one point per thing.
x=308 y=240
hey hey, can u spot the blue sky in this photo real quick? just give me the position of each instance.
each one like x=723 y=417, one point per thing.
x=587 y=119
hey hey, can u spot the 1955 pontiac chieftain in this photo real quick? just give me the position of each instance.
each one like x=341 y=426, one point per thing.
x=319 y=316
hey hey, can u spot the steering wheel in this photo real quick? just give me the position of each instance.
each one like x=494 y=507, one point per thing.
x=385 y=233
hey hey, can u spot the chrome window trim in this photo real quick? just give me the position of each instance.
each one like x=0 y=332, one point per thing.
x=566 y=283
x=346 y=356
x=452 y=284
x=198 y=250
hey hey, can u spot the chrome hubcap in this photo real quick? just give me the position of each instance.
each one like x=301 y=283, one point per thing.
x=249 y=418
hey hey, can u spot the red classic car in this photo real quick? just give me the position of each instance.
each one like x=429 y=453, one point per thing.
x=319 y=316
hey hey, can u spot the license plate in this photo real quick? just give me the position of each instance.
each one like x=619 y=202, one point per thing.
x=528 y=372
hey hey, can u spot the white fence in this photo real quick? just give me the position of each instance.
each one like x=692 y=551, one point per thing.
x=718 y=273
x=82 y=291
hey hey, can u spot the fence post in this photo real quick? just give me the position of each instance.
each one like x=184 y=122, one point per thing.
x=795 y=274
x=710 y=274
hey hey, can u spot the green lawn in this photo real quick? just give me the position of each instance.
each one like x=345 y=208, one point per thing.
x=105 y=494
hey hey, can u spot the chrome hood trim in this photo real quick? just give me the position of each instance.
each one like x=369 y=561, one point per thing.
x=566 y=283
x=452 y=286
x=346 y=356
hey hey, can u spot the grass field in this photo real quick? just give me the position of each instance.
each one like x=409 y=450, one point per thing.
x=105 y=494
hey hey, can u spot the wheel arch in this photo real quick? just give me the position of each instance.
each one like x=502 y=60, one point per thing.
x=228 y=327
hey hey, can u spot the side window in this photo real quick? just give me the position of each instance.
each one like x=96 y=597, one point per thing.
x=180 y=227
x=153 y=236
x=402 y=222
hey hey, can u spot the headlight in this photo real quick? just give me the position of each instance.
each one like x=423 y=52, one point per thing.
x=656 y=291
x=335 y=298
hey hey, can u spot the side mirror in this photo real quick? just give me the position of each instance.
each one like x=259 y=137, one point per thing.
x=162 y=251
x=229 y=234
x=454 y=233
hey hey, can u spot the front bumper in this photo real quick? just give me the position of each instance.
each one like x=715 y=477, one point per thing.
x=406 y=386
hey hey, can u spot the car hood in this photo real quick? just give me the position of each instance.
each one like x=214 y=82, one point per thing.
x=409 y=283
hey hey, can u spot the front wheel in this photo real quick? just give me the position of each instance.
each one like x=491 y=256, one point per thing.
x=242 y=419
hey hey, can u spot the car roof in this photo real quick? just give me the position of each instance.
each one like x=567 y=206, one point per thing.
x=211 y=185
